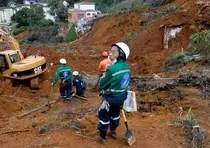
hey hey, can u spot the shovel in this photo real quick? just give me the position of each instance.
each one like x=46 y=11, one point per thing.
x=128 y=135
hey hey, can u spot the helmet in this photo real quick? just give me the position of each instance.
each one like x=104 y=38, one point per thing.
x=63 y=61
x=124 y=47
x=75 y=73
x=105 y=54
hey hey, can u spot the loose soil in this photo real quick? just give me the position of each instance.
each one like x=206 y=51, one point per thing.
x=151 y=124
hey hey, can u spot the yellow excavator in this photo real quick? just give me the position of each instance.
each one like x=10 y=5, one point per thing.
x=14 y=66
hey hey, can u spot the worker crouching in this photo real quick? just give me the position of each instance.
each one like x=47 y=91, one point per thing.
x=65 y=74
x=114 y=84
x=79 y=84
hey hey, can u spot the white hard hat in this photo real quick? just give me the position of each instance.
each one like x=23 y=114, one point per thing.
x=124 y=48
x=63 y=61
x=75 y=73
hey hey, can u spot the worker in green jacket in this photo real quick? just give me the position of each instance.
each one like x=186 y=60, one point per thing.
x=114 y=84
x=65 y=74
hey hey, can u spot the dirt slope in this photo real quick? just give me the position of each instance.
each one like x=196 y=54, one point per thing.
x=151 y=124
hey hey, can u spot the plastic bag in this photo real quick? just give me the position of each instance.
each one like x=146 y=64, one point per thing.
x=130 y=103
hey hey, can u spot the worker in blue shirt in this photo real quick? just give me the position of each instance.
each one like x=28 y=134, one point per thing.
x=79 y=84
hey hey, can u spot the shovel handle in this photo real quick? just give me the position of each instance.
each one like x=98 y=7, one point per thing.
x=123 y=114
x=124 y=118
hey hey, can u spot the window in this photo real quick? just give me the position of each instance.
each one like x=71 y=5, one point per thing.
x=88 y=14
x=80 y=16
x=14 y=58
x=3 y=64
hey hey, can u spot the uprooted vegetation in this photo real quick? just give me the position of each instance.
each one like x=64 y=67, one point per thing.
x=48 y=127
x=195 y=135
x=158 y=95
x=198 y=51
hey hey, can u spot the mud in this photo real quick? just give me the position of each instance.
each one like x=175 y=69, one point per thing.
x=155 y=108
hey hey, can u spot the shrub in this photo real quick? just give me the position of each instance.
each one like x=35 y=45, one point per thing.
x=71 y=36
x=113 y=10
x=45 y=23
x=195 y=134
x=18 y=30
x=200 y=44
x=59 y=39
x=54 y=29
x=129 y=36
x=34 y=37
x=49 y=126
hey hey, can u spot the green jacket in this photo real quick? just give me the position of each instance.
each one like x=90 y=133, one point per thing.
x=116 y=80
x=64 y=73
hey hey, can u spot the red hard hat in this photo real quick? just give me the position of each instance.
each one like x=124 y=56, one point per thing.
x=105 y=54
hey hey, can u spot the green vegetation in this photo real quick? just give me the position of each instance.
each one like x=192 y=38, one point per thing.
x=18 y=30
x=200 y=44
x=60 y=12
x=71 y=36
x=49 y=126
x=129 y=36
x=30 y=17
x=188 y=121
x=194 y=133
x=199 y=50
x=136 y=4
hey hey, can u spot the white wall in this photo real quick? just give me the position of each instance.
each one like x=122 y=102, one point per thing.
x=27 y=2
x=91 y=14
x=5 y=16
x=47 y=14
x=76 y=6
x=87 y=7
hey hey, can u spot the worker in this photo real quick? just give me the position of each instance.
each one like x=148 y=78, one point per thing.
x=79 y=84
x=65 y=74
x=103 y=66
x=114 y=84
x=104 y=63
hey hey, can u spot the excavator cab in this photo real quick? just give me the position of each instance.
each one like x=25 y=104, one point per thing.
x=14 y=66
x=3 y=64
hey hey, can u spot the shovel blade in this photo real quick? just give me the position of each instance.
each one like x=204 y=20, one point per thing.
x=130 y=138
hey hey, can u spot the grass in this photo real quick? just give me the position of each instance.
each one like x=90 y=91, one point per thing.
x=188 y=121
x=129 y=36
x=47 y=127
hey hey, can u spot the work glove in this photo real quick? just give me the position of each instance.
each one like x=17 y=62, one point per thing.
x=105 y=105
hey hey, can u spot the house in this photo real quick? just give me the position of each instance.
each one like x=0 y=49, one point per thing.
x=31 y=2
x=85 y=6
x=5 y=15
x=47 y=14
x=82 y=10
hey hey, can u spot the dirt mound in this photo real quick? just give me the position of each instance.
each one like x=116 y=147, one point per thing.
x=146 y=41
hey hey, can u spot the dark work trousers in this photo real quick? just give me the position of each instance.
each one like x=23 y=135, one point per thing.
x=65 y=91
x=109 y=113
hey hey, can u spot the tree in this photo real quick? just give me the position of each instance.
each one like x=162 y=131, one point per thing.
x=29 y=17
x=71 y=36
x=200 y=44
x=62 y=14
x=3 y=3
x=53 y=7
x=22 y=17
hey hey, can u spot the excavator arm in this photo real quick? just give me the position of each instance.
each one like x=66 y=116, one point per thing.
x=6 y=38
